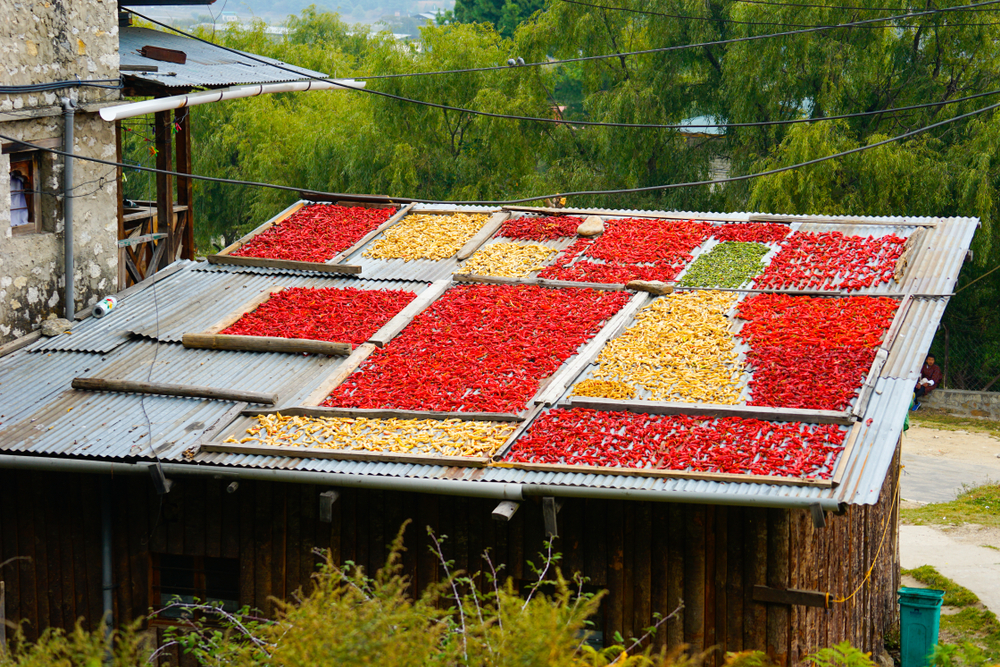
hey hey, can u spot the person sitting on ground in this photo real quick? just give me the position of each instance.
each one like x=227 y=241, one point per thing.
x=930 y=379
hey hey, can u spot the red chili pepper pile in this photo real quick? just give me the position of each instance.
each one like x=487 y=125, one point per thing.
x=811 y=352
x=479 y=348
x=346 y=315
x=751 y=232
x=631 y=249
x=832 y=260
x=548 y=228
x=315 y=233
x=674 y=442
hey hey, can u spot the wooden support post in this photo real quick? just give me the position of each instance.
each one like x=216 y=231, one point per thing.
x=185 y=186
x=163 y=389
x=505 y=510
x=818 y=515
x=122 y=253
x=264 y=344
x=162 y=130
x=550 y=508
x=326 y=501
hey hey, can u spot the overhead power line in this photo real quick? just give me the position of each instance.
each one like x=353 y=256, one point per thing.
x=650 y=188
x=604 y=56
x=558 y=121
x=848 y=7
x=112 y=84
x=712 y=19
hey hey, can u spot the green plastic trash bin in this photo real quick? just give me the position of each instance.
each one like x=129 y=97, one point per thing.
x=919 y=618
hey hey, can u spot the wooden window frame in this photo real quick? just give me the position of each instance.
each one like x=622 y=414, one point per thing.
x=25 y=157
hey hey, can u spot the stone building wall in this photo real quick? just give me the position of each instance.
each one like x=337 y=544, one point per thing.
x=40 y=42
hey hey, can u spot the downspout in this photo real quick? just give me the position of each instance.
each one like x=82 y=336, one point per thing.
x=107 y=575
x=69 y=113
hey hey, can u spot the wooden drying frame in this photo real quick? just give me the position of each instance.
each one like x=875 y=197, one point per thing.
x=225 y=255
x=396 y=217
x=665 y=215
x=211 y=339
x=763 y=413
x=674 y=474
x=345 y=454
x=387 y=413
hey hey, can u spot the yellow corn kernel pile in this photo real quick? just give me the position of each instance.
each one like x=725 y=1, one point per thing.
x=603 y=389
x=427 y=236
x=449 y=437
x=678 y=349
x=508 y=260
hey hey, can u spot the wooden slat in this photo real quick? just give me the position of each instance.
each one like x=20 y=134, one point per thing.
x=674 y=474
x=694 y=577
x=642 y=567
x=162 y=133
x=264 y=344
x=347 y=367
x=213 y=517
x=49 y=558
x=248 y=578
x=755 y=614
x=18 y=343
x=735 y=556
x=284 y=215
x=608 y=287
x=659 y=571
x=675 y=574
x=267 y=262
x=396 y=217
x=165 y=389
x=279 y=533
x=717 y=549
x=10 y=572
x=595 y=542
x=711 y=410
x=483 y=235
x=615 y=602
x=26 y=527
x=376 y=413
x=490 y=280
x=391 y=328
x=778 y=573
x=264 y=521
x=185 y=185
x=821 y=220
x=344 y=454
x=852 y=438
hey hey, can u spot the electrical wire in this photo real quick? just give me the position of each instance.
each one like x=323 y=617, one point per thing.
x=605 y=56
x=522 y=200
x=713 y=19
x=58 y=85
x=536 y=119
x=848 y=7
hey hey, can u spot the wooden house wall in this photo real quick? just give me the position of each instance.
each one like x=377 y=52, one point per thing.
x=649 y=556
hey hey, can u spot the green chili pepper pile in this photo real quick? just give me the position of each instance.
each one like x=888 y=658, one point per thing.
x=729 y=264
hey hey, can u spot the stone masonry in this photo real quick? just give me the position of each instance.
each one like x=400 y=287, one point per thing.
x=40 y=42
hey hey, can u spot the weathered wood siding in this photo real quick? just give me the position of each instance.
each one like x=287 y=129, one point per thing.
x=649 y=556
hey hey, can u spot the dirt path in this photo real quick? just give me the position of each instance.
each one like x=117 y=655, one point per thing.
x=969 y=555
x=938 y=463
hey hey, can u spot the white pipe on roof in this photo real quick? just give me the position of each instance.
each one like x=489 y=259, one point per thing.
x=114 y=113
x=448 y=487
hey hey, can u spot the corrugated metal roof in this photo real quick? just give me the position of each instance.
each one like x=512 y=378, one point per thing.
x=42 y=415
x=207 y=65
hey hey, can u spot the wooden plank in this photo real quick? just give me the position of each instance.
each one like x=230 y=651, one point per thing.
x=659 y=574
x=694 y=577
x=614 y=620
x=595 y=541
x=243 y=240
x=162 y=134
x=92 y=548
x=310 y=527
x=711 y=410
x=218 y=427
x=291 y=265
x=755 y=614
x=26 y=542
x=162 y=54
x=344 y=454
x=396 y=217
x=490 y=280
x=630 y=630
x=48 y=559
x=391 y=328
x=824 y=220
x=642 y=567
x=675 y=574
x=18 y=343
x=343 y=370
x=213 y=494
x=376 y=413
x=571 y=370
x=778 y=572
x=910 y=249
x=378 y=534
x=279 y=534
x=852 y=438
x=735 y=557
x=483 y=235
x=263 y=522
x=248 y=307
x=791 y=596
x=185 y=185
x=717 y=548
x=562 y=284
x=264 y=344
x=165 y=389
x=122 y=562
x=673 y=474
x=139 y=240
x=427 y=516
x=248 y=578
x=137 y=491
x=10 y=573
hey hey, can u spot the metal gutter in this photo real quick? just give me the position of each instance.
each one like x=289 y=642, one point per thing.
x=471 y=489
